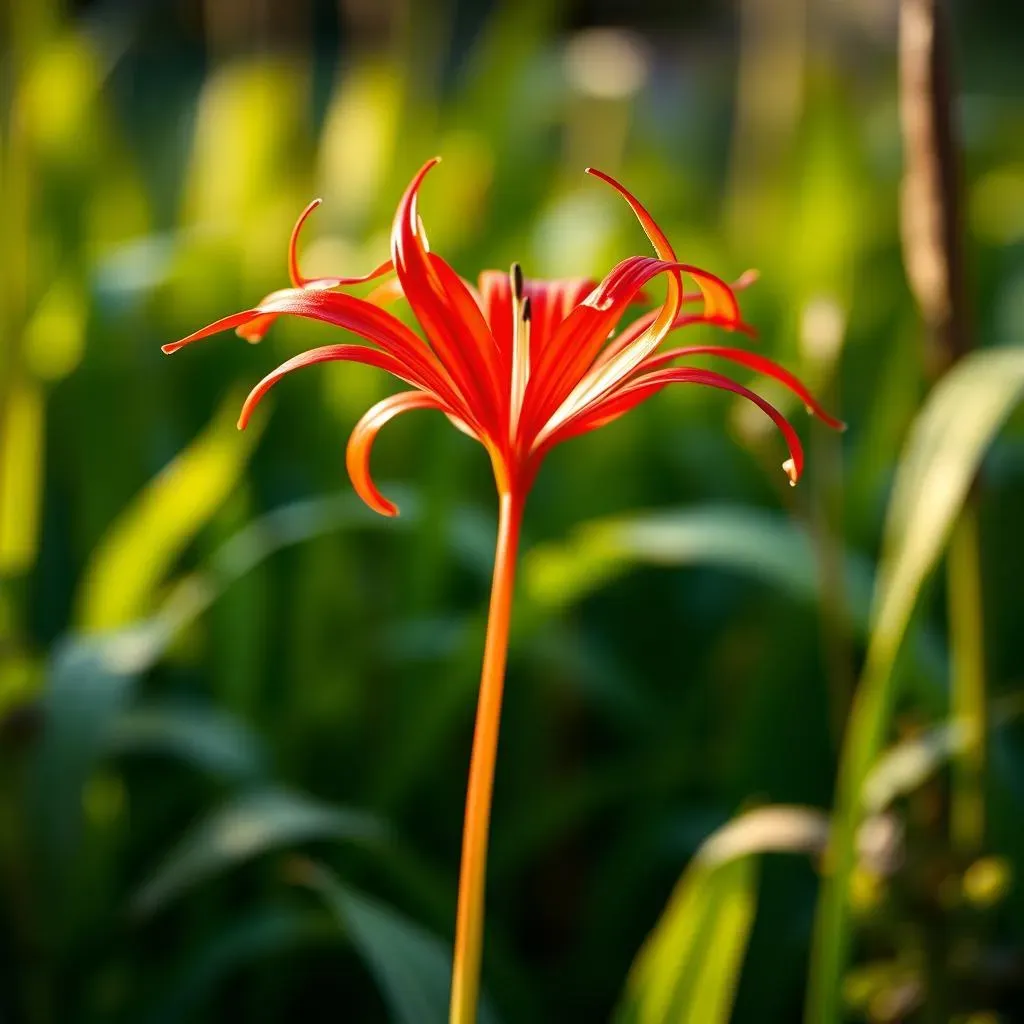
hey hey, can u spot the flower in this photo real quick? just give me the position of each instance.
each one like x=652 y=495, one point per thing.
x=519 y=364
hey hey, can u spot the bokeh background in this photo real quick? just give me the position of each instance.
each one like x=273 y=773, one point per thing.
x=235 y=707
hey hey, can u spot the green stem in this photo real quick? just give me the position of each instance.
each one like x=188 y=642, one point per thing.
x=968 y=704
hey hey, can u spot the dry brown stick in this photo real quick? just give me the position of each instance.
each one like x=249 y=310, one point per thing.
x=931 y=203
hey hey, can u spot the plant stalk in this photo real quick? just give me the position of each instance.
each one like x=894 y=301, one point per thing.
x=472 y=875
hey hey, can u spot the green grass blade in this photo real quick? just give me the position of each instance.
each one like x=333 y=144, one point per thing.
x=246 y=827
x=946 y=444
x=688 y=970
x=133 y=560
x=762 y=544
x=203 y=737
x=411 y=966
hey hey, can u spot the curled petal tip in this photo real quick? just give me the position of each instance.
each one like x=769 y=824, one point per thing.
x=170 y=347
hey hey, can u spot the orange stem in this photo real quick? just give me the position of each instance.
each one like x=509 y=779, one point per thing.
x=470 y=917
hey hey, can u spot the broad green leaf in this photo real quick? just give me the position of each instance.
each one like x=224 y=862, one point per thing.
x=142 y=545
x=947 y=441
x=412 y=967
x=688 y=969
x=246 y=827
x=201 y=736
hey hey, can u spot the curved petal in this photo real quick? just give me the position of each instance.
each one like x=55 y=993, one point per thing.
x=299 y=280
x=360 y=444
x=226 y=323
x=754 y=361
x=563 y=361
x=587 y=386
x=448 y=313
x=571 y=374
x=327 y=354
x=720 y=307
x=419 y=364
x=635 y=329
x=621 y=401
x=386 y=293
x=255 y=330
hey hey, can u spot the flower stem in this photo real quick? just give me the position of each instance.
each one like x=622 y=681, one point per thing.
x=472 y=876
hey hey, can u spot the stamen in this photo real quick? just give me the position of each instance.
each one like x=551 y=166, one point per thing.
x=522 y=313
x=789 y=467
x=517 y=281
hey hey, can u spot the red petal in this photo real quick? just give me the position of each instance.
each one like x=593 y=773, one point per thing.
x=326 y=354
x=575 y=349
x=386 y=293
x=495 y=290
x=449 y=315
x=755 y=362
x=550 y=303
x=565 y=364
x=637 y=328
x=255 y=330
x=636 y=391
x=419 y=365
x=579 y=337
x=300 y=281
x=357 y=455
x=226 y=323
x=661 y=244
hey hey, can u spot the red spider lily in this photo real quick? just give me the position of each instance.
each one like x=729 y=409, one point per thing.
x=520 y=365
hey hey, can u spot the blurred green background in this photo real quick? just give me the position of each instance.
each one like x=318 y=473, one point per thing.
x=235 y=707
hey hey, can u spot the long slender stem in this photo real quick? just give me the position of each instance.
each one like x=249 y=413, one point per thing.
x=472 y=877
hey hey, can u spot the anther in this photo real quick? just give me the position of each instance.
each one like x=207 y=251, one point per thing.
x=517 y=280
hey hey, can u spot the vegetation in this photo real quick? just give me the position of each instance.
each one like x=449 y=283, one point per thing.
x=762 y=751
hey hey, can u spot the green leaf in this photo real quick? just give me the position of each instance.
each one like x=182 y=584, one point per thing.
x=90 y=680
x=688 y=969
x=204 y=737
x=246 y=827
x=765 y=545
x=412 y=967
x=945 y=447
x=141 y=547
